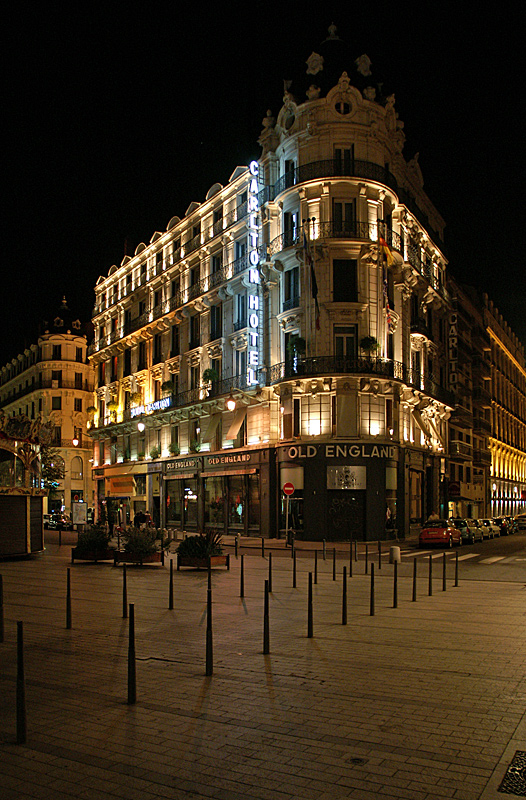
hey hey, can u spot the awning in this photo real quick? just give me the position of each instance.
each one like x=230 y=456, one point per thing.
x=220 y=473
x=236 y=423
x=122 y=485
x=212 y=427
x=175 y=476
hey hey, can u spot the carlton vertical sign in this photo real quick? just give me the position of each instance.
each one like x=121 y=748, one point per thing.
x=253 y=276
x=452 y=347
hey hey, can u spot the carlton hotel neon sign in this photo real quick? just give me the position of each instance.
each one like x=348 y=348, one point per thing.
x=253 y=276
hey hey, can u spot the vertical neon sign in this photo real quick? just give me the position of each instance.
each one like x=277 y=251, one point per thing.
x=253 y=275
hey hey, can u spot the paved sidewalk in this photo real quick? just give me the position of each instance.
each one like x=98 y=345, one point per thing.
x=421 y=702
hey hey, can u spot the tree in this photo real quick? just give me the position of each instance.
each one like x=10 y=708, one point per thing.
x=53 y=469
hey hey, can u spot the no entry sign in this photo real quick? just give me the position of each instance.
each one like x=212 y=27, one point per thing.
x=288 y=488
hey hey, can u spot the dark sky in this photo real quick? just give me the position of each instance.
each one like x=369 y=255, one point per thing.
x=117 y=119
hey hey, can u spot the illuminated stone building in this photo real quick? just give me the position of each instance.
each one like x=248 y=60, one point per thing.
x=53 y=380
x=508 y=412
x=291 y=327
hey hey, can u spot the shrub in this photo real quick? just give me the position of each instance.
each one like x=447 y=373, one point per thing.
x=202 y=545
x=93 y=540
x=140 y=542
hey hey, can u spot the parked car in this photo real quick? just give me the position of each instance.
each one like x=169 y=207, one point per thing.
x=439 y=531
x=520 y=522
x=512 y=525
x=60 y=522
x=45 y=520
x=476 y=527
x=470 y=533
x=488 y=524
x=503 y=525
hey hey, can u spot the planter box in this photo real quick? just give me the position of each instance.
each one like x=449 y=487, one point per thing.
x=203 y=563
x=87 y=555
x=120 y=556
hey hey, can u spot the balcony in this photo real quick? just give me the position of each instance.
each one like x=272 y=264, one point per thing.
x=481 y=425
x=482 y=396
x=292 y=302
x=319 y=366
x=335 y=168
x=482 y=457
x=461 y=450
x=419 y=327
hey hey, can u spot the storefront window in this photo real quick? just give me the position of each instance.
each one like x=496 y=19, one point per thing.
x=214 y=501
x=173 y=503
x=190 y=503
x=253 y=501
x=236 y=502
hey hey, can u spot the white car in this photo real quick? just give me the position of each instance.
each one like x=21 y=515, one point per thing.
x=489 y=525
x=520 y=521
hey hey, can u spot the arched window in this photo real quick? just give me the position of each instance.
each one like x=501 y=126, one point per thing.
x=77 y=468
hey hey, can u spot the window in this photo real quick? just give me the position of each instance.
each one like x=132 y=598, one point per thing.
x=56 y=378
x=345 y=341
x=344 y=160
x=56 y=403
x=56 y=440
x=344 y=217
x=291 y=289
x=345 y=280
x=241 y=362
x=216 y=326
x=216 y=263
x=290 y=228
x=241 y=311
x=157 y=348
x=77 y=468
x=78 y=356
x=77 y=403
x=195 y=331
x=127 y=363
x=57 y=352
x=174 y=343
x=142 y=356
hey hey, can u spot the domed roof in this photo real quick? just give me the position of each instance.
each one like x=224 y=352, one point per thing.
x=63 y=320
x=324 y=67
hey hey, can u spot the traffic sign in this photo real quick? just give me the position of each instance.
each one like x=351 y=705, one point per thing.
x=288 y=488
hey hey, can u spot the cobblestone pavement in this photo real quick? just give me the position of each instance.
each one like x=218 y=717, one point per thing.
x=420 y=702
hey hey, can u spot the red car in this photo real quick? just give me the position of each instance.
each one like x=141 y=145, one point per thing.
x=439 y=531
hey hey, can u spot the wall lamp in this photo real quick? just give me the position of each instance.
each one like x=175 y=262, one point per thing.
x=231 y=403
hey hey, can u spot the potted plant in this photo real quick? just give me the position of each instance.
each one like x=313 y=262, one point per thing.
x=140 y=547
x=91 y=410
x=155 y=452
x=195 y=445
x=202 y=550
x=93 y=545
x=136 y=398
x=140 y=455
x=167 y=386
x=174 y=448
x=210 y=375
x=369 y=345
x=296 y=345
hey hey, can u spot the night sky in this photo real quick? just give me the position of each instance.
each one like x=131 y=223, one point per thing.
x=117 y=119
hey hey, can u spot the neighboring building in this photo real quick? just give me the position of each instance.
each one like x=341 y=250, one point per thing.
x=470 y=427
x=508 y=408
x=53 y=381
x=290 y=328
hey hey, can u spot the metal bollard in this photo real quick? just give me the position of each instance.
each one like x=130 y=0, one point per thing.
x=344 y=597
x=132 y=677
x=242 y=578
x=456 y=568
x=366 y=558
x=266 y=627
x=270 y=571
x=315 y=566
x=371 y=603
x=444 y=572
x=209 y=669
x=171 y=586
x=310 y=622
x=430 y=591
x=236 y=544
x=262 y=547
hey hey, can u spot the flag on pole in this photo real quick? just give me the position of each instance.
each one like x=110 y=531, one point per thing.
x=386 y=251
x=314 y=284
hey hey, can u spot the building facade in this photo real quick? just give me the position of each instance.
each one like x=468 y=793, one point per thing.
x=292 y=328
x=507 y=442
x=53 y=381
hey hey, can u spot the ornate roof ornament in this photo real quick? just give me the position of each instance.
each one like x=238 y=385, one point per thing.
x=363 y=65
x=332 y=32
x=314 y=64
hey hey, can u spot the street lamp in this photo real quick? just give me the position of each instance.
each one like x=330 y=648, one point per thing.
x=140 y=426
x=231 y=403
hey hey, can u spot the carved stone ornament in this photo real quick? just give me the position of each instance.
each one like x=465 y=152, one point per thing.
x=369 y=93
x=363 y=65
x=314 y=64
x=313 y=93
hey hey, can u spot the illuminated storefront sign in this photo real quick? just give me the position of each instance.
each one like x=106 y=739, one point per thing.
x=158 y=405
x=253 y=276
x=342 y=451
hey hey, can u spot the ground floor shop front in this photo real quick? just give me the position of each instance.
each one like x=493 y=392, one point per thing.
x=336 y=490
